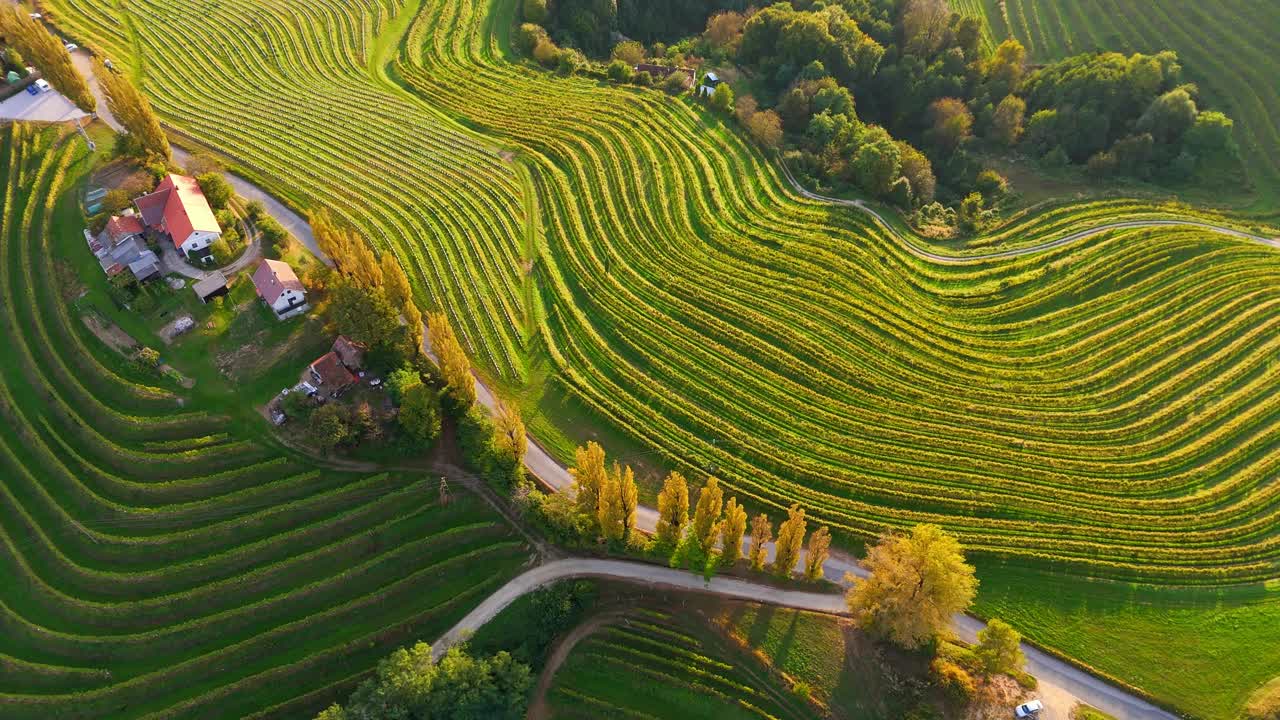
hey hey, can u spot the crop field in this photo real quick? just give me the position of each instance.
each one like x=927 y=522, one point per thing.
x=1106 y=409
x=646 y=665
x=160 y=562
x=1227 y=48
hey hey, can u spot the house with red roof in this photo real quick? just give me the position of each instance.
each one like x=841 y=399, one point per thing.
x=120 y=247
x=279 y=287
x=330 y=376
x=179 y=209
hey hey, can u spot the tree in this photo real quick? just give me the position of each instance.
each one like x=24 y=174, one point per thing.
x=877 y=163
x=510 y=442
x=1212 y=137
x=34 y=42
x=1006 y=123
x=676 y=83
x=348 y=251
x=535 y=11
x=420 y=414
x=133 y=110
x=722 y=98
x=455 y=369
x=1000 y=648
x=673 y=510
x=609 y=507
x=400 y=380
x=790 y=540
x=364 y=315
x=817 y=554
x=732 y=528
x=1170 y=115
x=588 y=478
x=400 y=294
x=952 y=123
x=409 y=684
x=328 y=427
x=216 y=189
x=724 y=30
x=628 y=500
x=918 y=581
x=973 y=213
x=619 y=72
x=528 y=36
x=629 y=52
x=925 y=24
x=1006 y=66
x=766 y=128
x=706 y=515
x=149 y=358
x=761 y=536
x=918 y=171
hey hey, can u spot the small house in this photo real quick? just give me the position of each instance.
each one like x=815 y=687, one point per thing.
x=330 y=375
x=279 y=287
x=213 y=285
x=350 y=353
x=120 y=247
x=710 y=82
x=179 y=210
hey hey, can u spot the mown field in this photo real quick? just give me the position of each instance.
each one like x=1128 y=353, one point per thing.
x=1104 y=409
x=163 y=560
x=1226 y=47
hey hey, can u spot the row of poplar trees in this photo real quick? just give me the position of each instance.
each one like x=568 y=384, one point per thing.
x=712 y=538
x=35 y=43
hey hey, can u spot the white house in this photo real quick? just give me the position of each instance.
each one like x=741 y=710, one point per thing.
x=178 y=208
x=280 y=288
x=709 y=83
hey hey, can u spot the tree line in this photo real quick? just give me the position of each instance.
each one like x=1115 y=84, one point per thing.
x=32 y=40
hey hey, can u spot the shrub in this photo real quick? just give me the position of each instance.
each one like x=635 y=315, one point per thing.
x=216 y=189
x=991 y=184
x=1264 y=704
x=676 y=83
x=535 y=11
x=528 y=36
x=643 y=78
x=1101 y=165
x=629 y=52
x=545 y=51
x=954 y=680
x=765 y=127
x=570 y=61
x=619 y=72
x=722 y=98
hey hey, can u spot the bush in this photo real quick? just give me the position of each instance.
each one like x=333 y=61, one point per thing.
x=545 y=51
x=420 y=414
x=619 y=72
x=1264 y=704
x=629 y=52
x=570 y=61
x=676 y=83
x=216 y=190
x=329 y=427
x=1101 y=165
x=954 y=680
x=528 y=36
x=644 y=78
x=535 y=11
x=722 y=98
x=255 y=210
x=991 y=184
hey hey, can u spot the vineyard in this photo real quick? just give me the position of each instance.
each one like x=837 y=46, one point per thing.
x=644 y=664
x=157 y=561
x=1227 y=48
x=1107 y=408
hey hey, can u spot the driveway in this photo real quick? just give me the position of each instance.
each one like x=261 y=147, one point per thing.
x=46 y=107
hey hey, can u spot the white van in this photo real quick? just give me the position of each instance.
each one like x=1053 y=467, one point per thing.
x=42 y=85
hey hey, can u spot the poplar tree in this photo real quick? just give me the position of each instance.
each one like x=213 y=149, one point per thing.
x=455 y=369
x=34 y=42
x=609 y=509
x=817 y=553
x=673 y=510
x=588 y=478
x=707 y=515
x=790 y=540
x=396 y=284
x=761 y=536
x=510 y=441
x=732 y=528
x=133 y=110
x=628 y=499
x=347 y=249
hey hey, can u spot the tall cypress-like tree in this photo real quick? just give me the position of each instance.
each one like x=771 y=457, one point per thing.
x=707 y=515
x=34 y=42
x=588 y=479
x=609 y=509
x=818 y=551
x=761 y=536
x=396 y=284
x=790 y=540
x=455 y=368
x=628 y=500
x=732 y=528
x=133 y=110
x=673 y=510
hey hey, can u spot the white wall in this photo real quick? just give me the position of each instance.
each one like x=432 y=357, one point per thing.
x=199 y=240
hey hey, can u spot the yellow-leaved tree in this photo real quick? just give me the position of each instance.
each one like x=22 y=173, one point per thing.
x=790 y=540
x=455 y=369
x=133 y=110
x=817 y=553
x=673 y=510
x=706 y=515
x=918 y=581
x=588 y=479
x=761 y=536
x=732 y=528
x=609 y=509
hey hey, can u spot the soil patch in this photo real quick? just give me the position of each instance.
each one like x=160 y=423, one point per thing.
x=109 y=333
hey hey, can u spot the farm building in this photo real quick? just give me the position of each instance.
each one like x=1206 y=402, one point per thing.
x=212 y=286
x=349 y=352
x=120 y=247
x=179 y=209
x=330 y=375
x=710 y=82
x=279 y=287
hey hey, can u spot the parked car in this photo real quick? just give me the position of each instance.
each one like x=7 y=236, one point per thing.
x=41 y=85
x=32 y=89
x=71 y=47
x=36 y=16
x=1029 y=710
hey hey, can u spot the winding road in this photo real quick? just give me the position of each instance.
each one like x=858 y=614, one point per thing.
x=1061 y=683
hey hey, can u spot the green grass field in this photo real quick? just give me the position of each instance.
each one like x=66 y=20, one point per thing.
x=161 y=559
x=1105 y=409
x=1227 y=48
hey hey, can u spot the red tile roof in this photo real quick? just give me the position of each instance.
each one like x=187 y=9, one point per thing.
x=119 y=228
x=272 y=278
x=349 y=352
x=330 y=372
x=180 y=203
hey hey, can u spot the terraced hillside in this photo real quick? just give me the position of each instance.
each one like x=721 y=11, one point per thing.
x=1227 y=47
x=645 y=665
x=1103 y=408
x=157 y=559
x=1107 y=404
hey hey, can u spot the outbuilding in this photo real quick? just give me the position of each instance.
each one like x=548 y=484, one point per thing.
x=212 y=286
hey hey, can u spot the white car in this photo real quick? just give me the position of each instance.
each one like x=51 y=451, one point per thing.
x=36 y=16
x=1029 y=710
x=71 y=47
x=42 y=86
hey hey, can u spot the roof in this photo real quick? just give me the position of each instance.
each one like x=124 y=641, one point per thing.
x=663 y=70
x=119 y=228
x=351 y=353
x=180 y=203
x=712 y=77
x=272 y=278
x=330 y=371
x=213 y=283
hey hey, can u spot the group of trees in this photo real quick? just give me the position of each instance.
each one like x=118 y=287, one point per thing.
x=410 y=685
x=33 y=41
x=144 y=137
